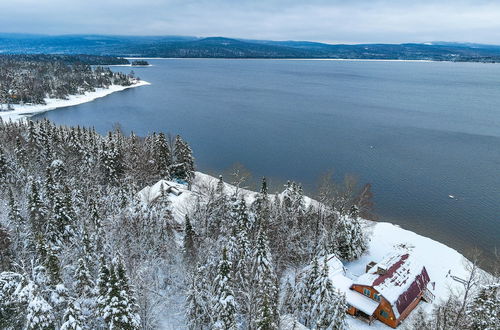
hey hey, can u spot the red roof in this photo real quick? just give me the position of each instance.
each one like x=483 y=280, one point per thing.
x=402 y=281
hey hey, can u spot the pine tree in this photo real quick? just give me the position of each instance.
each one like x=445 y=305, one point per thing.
x=162 y=156
x=224 y=304
x=198 y=304
x=117 y=305
x=73 y=319
x=351 y=241
x=15 y=216
x=328 y=305
x=239 y=251
x=4 y=168
x=39 y=314
x=20 y=152
x=184 y=161
x=220 y=185
x=189 y=242
x=36 y=209
x=83 y=280
x=53 y=266
x=264 y=284
x=98 y=236
x=305 y=291
x=484 y=313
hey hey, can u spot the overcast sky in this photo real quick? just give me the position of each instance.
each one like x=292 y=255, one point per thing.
x=334 y=21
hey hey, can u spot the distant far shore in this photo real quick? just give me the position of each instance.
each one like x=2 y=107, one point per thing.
x=296 y=59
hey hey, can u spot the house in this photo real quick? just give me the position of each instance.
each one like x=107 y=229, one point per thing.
x=150 y=194
x=395 y=285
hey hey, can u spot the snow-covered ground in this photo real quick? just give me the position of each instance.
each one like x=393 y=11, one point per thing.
x=25 y=111
x=438 y=259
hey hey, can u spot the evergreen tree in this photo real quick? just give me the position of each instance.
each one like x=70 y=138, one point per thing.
x=189 y=242
x=162 y=156
x=264 y=285
x=351 y=241
x=484 y=312
x=83 y=280
x=36 y=209
x=4 y=168
x=184 y=161
x=305 y=291
x=220 y=185
x=328 y=305
x=39 y=314
x=198 y=304
x=15 y=216
x=73 y=319
x=224 y=304
x=117 y=306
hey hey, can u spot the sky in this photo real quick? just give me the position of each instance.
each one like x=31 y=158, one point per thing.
x=331 y=21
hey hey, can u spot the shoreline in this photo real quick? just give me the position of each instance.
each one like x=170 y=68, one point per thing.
x=21 y=112
x=303 y=59
x=443 y=263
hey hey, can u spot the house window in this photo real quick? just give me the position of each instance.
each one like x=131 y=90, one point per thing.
x=384 y=313
x=376 y=297
x=366 y=292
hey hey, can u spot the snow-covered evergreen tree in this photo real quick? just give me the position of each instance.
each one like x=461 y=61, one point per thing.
x=328 y=305
x=350 y=240
x=39 y=314
x=198 y=300
x=116 y=304
x=305 y=291
x=162 y=156
x=73 y=319
x=183 y=168
x=484 y=312
x=189 y=242
x=224 y=304
x=264 y=286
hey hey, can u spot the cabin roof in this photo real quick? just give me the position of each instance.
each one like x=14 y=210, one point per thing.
x=150 y=193
x=343 y=284
x=402 y=280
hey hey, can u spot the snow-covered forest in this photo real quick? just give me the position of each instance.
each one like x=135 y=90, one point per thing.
x=30 y=79
x=80 y=248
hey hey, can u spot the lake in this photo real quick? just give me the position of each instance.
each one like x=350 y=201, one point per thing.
x=417 y=131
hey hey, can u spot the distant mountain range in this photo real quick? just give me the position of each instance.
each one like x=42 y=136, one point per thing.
x=219 y=47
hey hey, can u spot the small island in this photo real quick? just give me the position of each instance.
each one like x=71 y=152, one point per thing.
x=140 y=63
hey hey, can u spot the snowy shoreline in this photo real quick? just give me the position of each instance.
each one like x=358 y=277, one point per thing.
x=441 y=261
x=25 y=111
x=282 y=59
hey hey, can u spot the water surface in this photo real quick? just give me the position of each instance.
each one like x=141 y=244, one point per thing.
x=417 y=131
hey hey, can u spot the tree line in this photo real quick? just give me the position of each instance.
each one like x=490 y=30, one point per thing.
x=28 y=79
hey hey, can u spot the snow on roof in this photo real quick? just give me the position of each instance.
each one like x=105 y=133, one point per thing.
x=401 y=274
x=343 y=284
x=335 y=266
x=151 y=193
x=353 y=298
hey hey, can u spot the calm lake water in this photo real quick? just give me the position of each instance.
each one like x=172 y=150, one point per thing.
x=416 y=131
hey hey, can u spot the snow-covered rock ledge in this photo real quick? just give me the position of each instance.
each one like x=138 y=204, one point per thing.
x=24 y=111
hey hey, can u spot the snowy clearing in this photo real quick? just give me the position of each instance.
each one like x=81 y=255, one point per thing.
x=25 y=111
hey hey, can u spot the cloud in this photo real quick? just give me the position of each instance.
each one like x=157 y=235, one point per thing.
x=348 y=21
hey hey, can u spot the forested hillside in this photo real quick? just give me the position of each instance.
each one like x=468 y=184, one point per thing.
x=26 y=79
x=220 y=47
x=80 y=248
